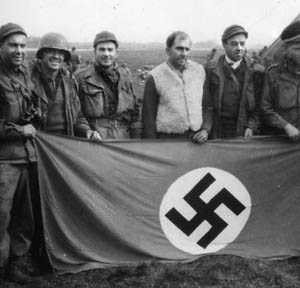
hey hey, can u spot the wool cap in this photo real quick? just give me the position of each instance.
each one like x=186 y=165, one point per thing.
x=291 y=32
x=232 y=31
x=105 y=36
x=10 y=29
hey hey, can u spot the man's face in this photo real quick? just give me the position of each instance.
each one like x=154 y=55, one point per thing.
x=13 y=50
x=106 y=54
x=235 y=47
x=179 y=52
x=293 y=52
x=53 y=59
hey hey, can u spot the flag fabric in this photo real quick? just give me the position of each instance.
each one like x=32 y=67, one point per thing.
x=128 y=202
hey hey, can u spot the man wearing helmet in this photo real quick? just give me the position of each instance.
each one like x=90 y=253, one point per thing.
x=58 y=106
x=17 y=154
x=56 y=90
x=106 y=93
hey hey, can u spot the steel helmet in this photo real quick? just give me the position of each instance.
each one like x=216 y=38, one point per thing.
x=54 y=41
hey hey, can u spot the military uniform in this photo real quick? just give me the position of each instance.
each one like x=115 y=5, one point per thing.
x=17 y=160
x=59 y=107
x=108 y=102
x=280 y=103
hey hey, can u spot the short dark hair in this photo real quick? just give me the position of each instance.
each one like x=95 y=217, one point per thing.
x=171 y=38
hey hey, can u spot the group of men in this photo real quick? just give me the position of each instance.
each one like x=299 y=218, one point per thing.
x=181 y=100
x=239 y=98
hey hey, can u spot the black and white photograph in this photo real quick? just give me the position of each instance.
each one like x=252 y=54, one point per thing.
x=150 y=144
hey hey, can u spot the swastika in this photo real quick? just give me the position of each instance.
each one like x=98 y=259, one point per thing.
x=205 y=211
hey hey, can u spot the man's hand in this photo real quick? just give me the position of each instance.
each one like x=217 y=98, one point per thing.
x=29 y=131
x=292 y=132
x=248 y=133
x=200 y=137
x=93 y=136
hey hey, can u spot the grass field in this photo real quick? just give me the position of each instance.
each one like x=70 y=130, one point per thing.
x=215 y=271
x=207 y=272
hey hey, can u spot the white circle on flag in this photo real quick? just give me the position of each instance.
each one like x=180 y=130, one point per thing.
x=220 y=207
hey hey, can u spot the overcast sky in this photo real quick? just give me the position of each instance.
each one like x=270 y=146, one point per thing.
x=151 y=20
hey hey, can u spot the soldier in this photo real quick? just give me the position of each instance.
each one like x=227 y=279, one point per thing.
x=230 y=105
x=56 y=91
x=173 y=93
x=106 y=92
x=75 y=60
x=17 y=154
x=55 y=95
x=280 y=102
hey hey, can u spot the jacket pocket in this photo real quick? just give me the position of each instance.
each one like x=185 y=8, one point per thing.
x=10 y=108
x=287 y=96
x=126 y=99
x=92 y=104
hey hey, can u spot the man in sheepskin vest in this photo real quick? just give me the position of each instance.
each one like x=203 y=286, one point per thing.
x=231 y=91
x=173 y=93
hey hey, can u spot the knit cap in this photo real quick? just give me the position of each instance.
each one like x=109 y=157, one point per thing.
x=105 y=36
x=10 y=29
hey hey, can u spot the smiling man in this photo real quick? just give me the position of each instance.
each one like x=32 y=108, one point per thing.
x=55 y=94
x=56 y=91
x=173 y=93
x=106 y=92
x=230 y=105
x=17 y=154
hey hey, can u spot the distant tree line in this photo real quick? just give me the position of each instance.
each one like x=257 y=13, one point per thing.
x=33 y=42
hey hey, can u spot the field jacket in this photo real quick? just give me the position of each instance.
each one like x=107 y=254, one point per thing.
x=248 y=115
x=94 y=95
x=280 y=103
x=16 y=110
x=76 y=123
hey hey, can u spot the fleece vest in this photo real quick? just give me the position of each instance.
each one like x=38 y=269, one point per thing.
x=180 y=101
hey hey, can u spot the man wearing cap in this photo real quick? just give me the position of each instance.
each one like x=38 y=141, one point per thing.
x=230 y=105
x=17 y=154
x=173 y=93
x=106 y=92
x=280 y=103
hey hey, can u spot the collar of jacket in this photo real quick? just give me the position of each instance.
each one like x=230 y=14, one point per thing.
x=12 y=75
x=39 y=91
x=92 y=77
x=217 y=66
x=233 y=64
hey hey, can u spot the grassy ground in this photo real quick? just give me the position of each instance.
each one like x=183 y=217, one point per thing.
x=207 y=272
